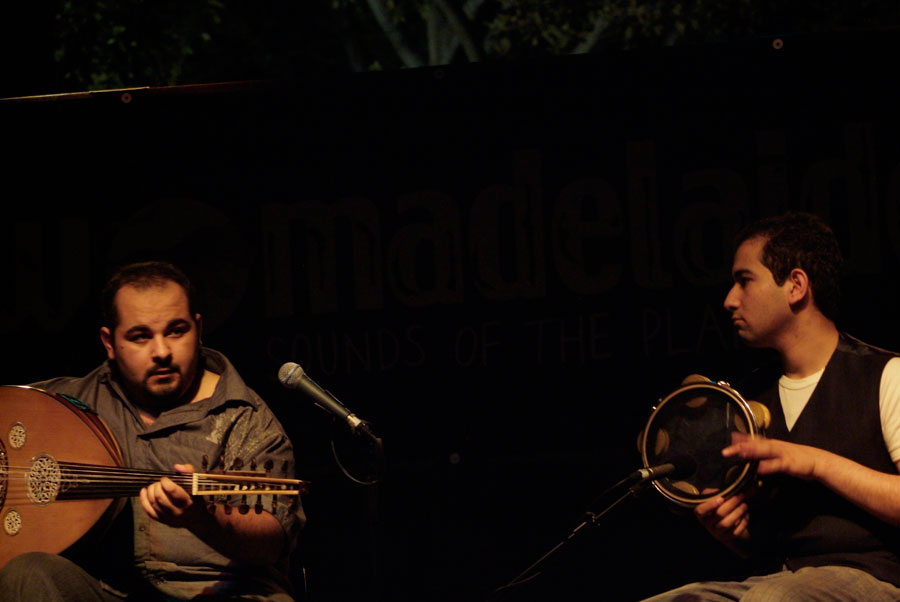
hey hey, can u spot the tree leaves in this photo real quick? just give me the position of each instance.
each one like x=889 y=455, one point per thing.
x=123 y=43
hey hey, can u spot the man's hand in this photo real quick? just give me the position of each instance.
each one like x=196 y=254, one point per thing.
x=168 y=502
x=727 y=520
x=878 y=493
x=254 y=537
x=775 y=456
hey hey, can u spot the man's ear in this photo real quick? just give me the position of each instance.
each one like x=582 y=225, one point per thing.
x=106 y=338
x=799 y=289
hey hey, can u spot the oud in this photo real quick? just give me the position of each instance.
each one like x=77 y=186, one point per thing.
x=61 y=469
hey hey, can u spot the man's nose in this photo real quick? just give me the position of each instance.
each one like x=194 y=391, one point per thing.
x=730 y=302
x=161 y=350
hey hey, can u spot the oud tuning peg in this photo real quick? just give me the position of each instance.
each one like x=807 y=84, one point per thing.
x=227 y=507
x=237 y=464
x=274 y=503
x=285 y=466
x=258 y=507
x=253 y=464
x=244 y=507
x=205 y=463
x=222 y=461
x=211 y=506
x=269 y=465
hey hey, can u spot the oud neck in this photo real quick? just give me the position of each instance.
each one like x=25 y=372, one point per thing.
x=82 y=481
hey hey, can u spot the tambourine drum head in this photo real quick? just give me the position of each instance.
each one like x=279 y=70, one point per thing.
x=695 y=422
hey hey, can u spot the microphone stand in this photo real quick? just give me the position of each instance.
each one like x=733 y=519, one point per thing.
x=591 y=519
x=363 y=435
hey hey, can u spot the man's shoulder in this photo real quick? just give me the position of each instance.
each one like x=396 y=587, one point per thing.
x=81 y=387
x=852 y=345
x=230 y=385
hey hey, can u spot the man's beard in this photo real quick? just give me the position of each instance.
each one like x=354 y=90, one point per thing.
x=177 y=389
x=165 y=390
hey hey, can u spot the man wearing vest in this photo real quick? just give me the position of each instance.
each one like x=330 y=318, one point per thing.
x=828 y=516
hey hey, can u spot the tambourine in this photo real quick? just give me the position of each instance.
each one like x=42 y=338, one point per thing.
x=695 y=422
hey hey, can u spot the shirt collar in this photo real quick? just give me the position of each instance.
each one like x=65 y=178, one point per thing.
x=230 y=388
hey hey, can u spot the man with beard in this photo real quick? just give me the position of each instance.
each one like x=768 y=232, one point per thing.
x=825 y=523
x=171 y=404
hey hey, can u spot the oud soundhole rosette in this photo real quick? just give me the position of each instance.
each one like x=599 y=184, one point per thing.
x=12 y=522
x=17 y=436
x=43 y=479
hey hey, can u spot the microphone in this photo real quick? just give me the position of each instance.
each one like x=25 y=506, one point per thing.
x=680 y=467
x=292 y=376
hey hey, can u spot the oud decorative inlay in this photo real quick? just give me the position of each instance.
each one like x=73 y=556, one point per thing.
x=17 y=435
x=12 y=522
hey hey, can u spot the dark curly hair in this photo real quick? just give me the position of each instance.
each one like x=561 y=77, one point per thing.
x=142 y=275
x=801 y=240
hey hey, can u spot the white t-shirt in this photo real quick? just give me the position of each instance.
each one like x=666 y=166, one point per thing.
x=795 y=393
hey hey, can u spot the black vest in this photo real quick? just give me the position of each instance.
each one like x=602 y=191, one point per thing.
x=807 y=524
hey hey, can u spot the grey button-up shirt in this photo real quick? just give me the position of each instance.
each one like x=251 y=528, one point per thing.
x=232 y=429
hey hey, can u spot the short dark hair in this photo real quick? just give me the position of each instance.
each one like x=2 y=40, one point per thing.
x=142 y=275
x=801 y=240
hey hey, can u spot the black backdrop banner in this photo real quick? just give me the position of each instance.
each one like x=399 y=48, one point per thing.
x=500 y=266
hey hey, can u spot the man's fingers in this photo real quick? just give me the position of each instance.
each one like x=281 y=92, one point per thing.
x=741 y=527
x=147 y=505
x=733 y=518
x=753 y=448
x=171 y=488
x=167 y=496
